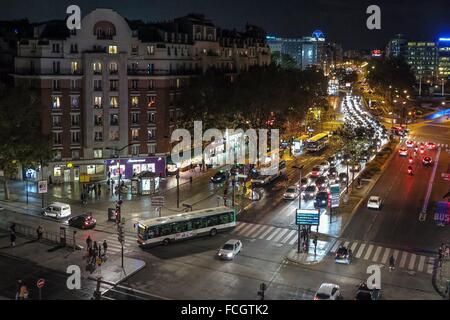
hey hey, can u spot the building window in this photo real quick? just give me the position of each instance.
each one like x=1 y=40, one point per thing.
x=98 y=136
x=97 y=85
x=74 y=67
x=97 y=67
x=134 y=49
x=56 y=102
x=98 y=102
x=114 y=135
x=55 y=47
x=98 y=153
x=151 y=84
x=56 y=121
x=113 y=68
x=56 y=137
x=98 y=120
x=134 y=134
x=56 y=86
x=75 y=154
x=151 y=134
x=113 y=85
x=135 y=150
x=135 y=118
x=151 y=50
x=74 y=48
x=73 y=84
x=112 y=49
x=114 y=120
x=151 y=101
x=178 y=83
x=151 y=148
x=134 y=102
x=134 y=84
x=113 y=102
x=75 y=120
x=151 y=116
x=75 y=136
x=171 y=116
x=58 y=156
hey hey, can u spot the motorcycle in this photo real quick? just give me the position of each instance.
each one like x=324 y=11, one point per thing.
x=410 y=170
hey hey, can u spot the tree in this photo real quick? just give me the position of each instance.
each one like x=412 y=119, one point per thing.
x=21 y=139
x=284 y=60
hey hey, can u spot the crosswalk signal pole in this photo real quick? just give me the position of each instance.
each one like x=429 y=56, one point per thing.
x=122 y=236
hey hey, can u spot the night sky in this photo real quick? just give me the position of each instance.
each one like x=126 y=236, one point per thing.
x=342 y=21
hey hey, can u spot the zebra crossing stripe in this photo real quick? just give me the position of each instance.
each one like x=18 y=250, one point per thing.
x=421 y=263
x=247 y=227
x=412 y=261
x=368 y=252
x=239 y=227
x=346 y=244
x=289 y=235
x=293 y=240
x=266 y=232
x=360 y=251
x=252 y=230
x=281 y=234
x=354 y=245
x=395 y=254
x=270 y=237
x=376 y=254
x=430 y=265
x=336 y=245
x=386 y=255
x=403 y=260
x=260 y=231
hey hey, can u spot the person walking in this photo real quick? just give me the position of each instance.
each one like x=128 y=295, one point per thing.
x=88 y=242
x=13 y=239
x=12 y=228
x=39 y=232
x=99 y=190
x=105 y=247
x=391 y=263
x=190 y=180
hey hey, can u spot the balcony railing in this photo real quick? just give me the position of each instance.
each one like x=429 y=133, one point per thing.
x=162 y=72
x=46 y=71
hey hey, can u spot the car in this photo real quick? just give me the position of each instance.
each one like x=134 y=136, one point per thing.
x=409 y=144
x=291 y=193
x=57 y=210
x=355 y=167
x=364 y=293
x=321 y=200
x=343 y=255
x=346 y=158
x=220 y=176
x=230 y=249
x=403 y=152
x=328 y=291
x=302 y=184
x=83 y=221
x=333 y=161
x=310 y=192
x=374 y=202
x=364 y=156
x=325 y=165
x=322 y=183
x=332 y=173
x=427 y=161
x=342 y=177
x=316 y=171
x=431 y=145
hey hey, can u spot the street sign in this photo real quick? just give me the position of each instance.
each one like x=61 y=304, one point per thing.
x=335 y=190
x=40 y=283
x=42 y=186
x=442 y=214
x=157 y=201
x=307 y=217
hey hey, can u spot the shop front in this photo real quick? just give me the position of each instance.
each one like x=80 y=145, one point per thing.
x=76 y=171
x=132 y=167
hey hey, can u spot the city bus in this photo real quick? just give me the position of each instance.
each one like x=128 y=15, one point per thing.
x=165 y=230
x=317 y=143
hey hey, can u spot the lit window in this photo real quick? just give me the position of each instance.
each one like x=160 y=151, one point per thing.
x=113 y=68
x=98 y=102
x=97 y=67
x=113 y=102
x=134 y=102
x=91 y=169
x=151 y=50
x=57 y=171
x=135 y=134
x=74 y=102
x=56 y=102
x=112 y=49
x=98 y=153
x=74 y=66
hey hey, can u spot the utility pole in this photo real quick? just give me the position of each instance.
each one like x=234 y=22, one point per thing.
x=299 y=207
x=121 y=238
x=233 y=182
x=178 y=189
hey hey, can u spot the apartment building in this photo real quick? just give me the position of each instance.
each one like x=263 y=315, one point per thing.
x=110 y=90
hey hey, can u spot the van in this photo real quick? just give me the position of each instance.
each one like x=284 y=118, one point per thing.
x=57 y=210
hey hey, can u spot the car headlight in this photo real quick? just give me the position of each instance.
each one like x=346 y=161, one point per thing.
x=229 y=255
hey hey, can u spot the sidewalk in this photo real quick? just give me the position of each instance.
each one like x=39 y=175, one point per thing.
x=310 y=258
x=60 y=258
x=441 y=277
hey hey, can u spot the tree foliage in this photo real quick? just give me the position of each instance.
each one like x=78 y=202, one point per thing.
x=284 y=60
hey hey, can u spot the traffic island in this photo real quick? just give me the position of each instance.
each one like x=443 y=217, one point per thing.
x=441 y=277
x=310 y=258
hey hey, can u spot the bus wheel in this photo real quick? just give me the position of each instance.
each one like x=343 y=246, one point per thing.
x=166 y=242
x=213 y=232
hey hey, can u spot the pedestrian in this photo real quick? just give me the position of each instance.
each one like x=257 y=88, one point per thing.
x=99 y=251
x=99 y=189
x=22 y=293
x=13 y=228
x=13 y=239
x=190 y=179
x=105 y=247
x=39 y=232
x=89 y=242
x=95 y=247
x=392 y=263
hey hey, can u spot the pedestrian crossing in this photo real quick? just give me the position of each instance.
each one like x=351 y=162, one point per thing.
x=378 y=254
x=114 y=245
x=265 y=232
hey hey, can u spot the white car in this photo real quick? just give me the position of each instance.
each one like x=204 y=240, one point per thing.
x=230 y=249
x=291 y=193
x=328 y=291
x=374 y=202
x=57 y=210
x=403 y=152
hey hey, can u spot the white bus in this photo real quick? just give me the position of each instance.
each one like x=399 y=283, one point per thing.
x=185 y=225
x=317 y=143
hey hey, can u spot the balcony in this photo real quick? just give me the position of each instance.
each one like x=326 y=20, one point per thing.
x=162 y=72
x=113 y=72
x=113 y=88
x=46 y=71
x=98 y=123
x=97 y=88
x=96 y=106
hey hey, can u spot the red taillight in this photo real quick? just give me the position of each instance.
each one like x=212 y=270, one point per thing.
x=315 y=298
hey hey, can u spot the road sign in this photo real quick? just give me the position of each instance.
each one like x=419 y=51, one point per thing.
x=442 y=214
x=157 y=201
x=335 y=190
x=42 y=186
x=40 y=283
x=307 y=217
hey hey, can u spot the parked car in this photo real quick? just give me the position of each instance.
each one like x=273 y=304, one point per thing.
x=328 y=291
x=57 y=210
x=230 y=249
x=83 y=221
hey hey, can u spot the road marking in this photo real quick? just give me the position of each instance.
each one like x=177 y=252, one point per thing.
x=385 y=256
x=293 y=240
x=412 y=261
x=273 y=234
x=403 y=259
x=260 y=231
x=346 y=243
x=369 y=251
x=336 y=245
x=246 y=228
x=354 y=245
x=282 y=233
x=430 y=184
x=249 y=232
x=290 y=234
x=360 y=251
x=266 y=232
x=239 y=227
x=430 y=265
x=421 y=263
x=376 y=254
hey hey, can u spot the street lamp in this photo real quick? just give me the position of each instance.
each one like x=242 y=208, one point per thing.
x=299 y=204
x=118 y=162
